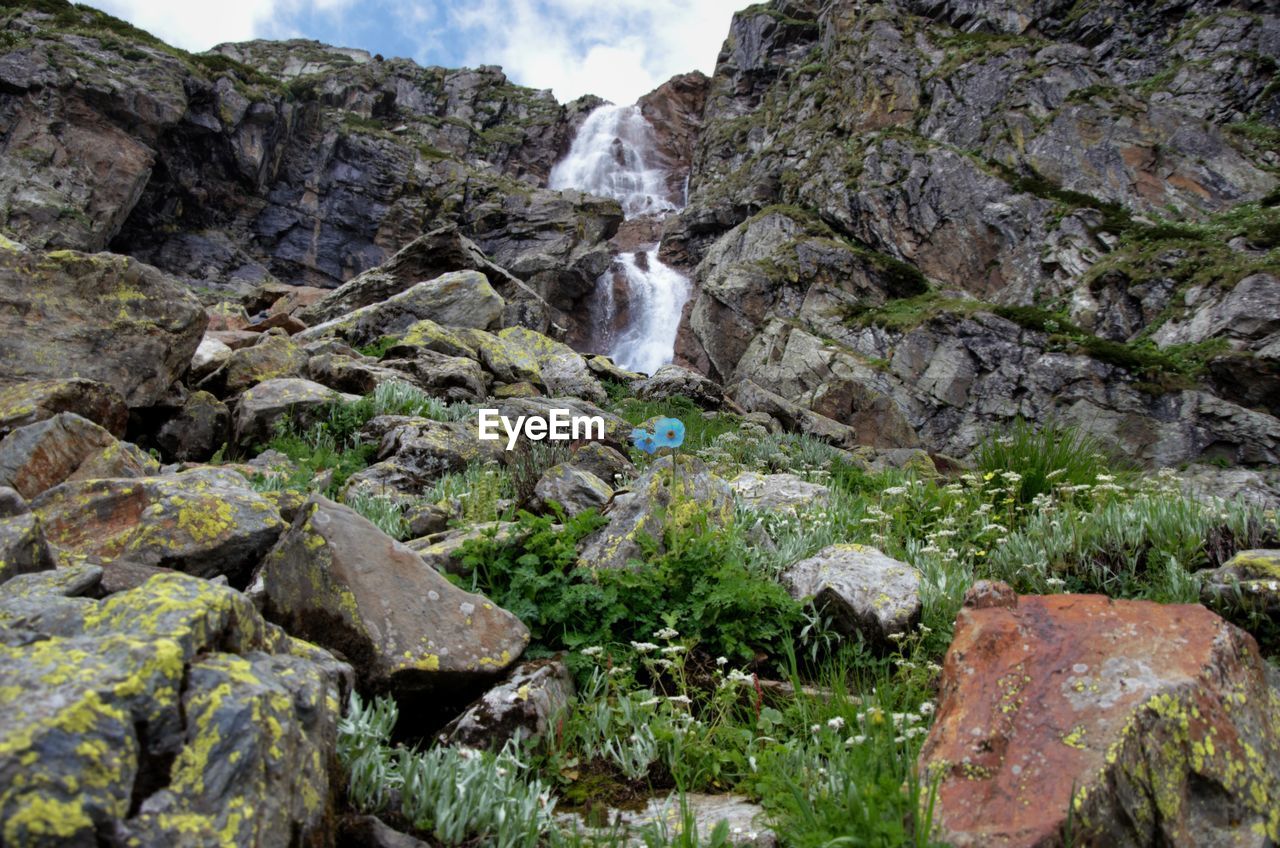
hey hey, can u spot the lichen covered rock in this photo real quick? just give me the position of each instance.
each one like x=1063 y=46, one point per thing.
x=204 y=522
x=171 y=714
x=339 y=581
x=23 y=548
x=1128 y=722
x=523 y=706
x=572 y=488
x=27 y=403
x=66 y=447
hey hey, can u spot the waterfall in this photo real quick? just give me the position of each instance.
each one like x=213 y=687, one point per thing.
x=613 y=155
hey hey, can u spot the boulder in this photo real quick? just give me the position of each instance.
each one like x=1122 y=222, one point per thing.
x=357 y=375
x=778 y=492
x=524 y=706
x=572 y=488
x=671 y=381
x=414 y=452
x=27 y=403
x=428 y=335
x=203 y=522
x=1245 y=587
x=443 y=550
x=100 y=317
x=196 y=431
x=337 y=580
x=259 y=408
x=508 y=361
x=210 y=355
x=458 y=299
x=868 y=595
x=1126 y=722
x=604 y=462
x=23 y=548
x=450 y=377
x=37 y=457
x=171 y=714
x=563 y=371
x=12 y=503
x=663 y=494
x=744 y=821
x=271 y=358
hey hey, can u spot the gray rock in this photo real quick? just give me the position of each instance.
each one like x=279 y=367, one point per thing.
x=604 y=462
x=12 y=503
x=23 y=548
x=100 y=317
x=643 y=508
x=663 y=818
x=338 y=581
x=867 y=594
x=671 y=381
x=27 y=403
x=259 y=408
x=524 y=706
x=196 y=431
x=778 y=492
x=1245 y=588
x=574 y=489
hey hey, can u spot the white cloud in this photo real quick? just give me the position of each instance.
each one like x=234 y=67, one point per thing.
x=619 y=50
x=198 y=26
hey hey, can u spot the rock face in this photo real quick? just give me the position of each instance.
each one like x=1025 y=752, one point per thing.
x=170 y=714
x=339 y=581
x=867 y=594
x=98 y=317
x=1139 y=723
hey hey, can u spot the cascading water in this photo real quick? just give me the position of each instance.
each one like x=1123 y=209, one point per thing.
x=612 y=156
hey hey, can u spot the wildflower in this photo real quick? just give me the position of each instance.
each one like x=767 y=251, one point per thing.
x=667 y=633
x=1055 y=582
x=722 y=661
x=650 y=702
x=1057 y=472
x=674 y=649
x=896 y=490
x=1012 y=476
x=815 y=729
x=593 y=651
x=751 y=761
x=927 y=708
x=644 y=647
x=854 y=740
x=680 y=699
x=899 y=739
x=836 y=723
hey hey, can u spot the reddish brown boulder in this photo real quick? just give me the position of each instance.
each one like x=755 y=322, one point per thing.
x=1076 y=718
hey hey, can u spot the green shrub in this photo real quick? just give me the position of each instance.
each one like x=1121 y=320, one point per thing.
x=1043 y=457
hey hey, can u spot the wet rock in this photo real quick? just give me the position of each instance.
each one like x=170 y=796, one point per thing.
x=259 y=408
x=336 y=580
x=778 y=492
x=204 y=522
x=574 y=489
x=37 y=457
x=196 y=431
x=164 y=715
x=524 y=706
x=1130 y=722
x=100 y=317
x=664 y=493
x=868 y=595
x=671 y=381
x=23 y=548
x=27 y=403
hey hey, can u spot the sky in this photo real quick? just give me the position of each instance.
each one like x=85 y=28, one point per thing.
x=618 y=49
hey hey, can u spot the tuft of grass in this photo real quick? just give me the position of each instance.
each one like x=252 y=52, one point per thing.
x=1044 y=457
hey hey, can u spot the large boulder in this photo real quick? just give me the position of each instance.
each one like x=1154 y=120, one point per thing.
x=196 y=431
x=1127 y=722
x=1245 y=587
x=271 y=358
x=27 y=403
x=171 y=714
x=524 y=706
x=414 y=452
x=203 y=522
x=866 y=593
x=37 y=457
x=562 y=369
x=666 y=493
x=337 y=580
x=95 y=316
x=788 y=493
x=672 y=381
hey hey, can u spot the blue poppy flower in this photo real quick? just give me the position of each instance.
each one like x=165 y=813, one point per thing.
x=644 y=440
x=669 y=432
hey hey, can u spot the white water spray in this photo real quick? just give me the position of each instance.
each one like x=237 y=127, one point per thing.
x=612 y=156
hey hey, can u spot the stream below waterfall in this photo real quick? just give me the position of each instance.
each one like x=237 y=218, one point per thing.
x=612 y=155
